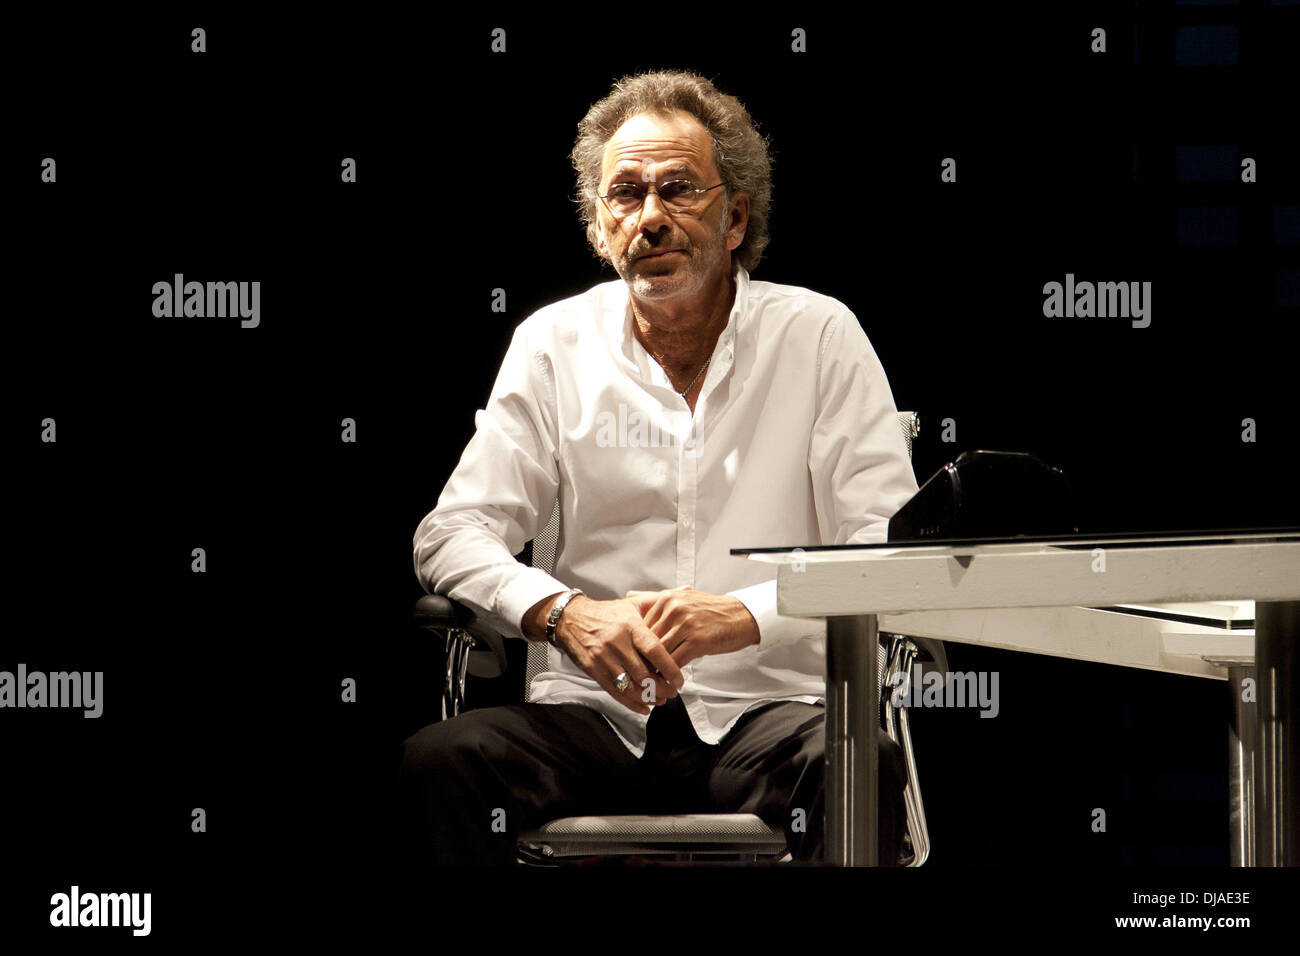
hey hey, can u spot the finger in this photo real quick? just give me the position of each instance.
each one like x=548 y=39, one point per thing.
x=630 y=697
x=604 y=667
x=625 y=659
x=677 y=642
x=642 y=599
x=646 y=608
x=653 y=614
x=673 y=638
x=646 y=595
x=657 y=656
x=684 y=653
x=651 y=691
x=647 y=682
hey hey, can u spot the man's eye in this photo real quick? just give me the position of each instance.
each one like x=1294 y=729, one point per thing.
x=677 y=189
x=623 y=191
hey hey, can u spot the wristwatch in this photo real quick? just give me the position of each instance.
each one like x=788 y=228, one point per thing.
x=554 y=617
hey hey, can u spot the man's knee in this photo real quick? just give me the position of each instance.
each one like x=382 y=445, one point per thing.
x=445 y=747
x=890 y=758
x=892 y=779
x=452 y=809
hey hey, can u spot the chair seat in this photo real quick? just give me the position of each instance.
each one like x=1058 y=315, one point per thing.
x=671 y=833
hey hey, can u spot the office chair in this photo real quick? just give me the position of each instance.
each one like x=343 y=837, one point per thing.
x=475 y=648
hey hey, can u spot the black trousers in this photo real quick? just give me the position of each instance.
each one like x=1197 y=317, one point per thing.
x=468 y=786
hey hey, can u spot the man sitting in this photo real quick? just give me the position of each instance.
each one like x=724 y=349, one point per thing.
x=675 y=413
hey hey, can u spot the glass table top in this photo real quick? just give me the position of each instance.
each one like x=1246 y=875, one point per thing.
x=1026 y=544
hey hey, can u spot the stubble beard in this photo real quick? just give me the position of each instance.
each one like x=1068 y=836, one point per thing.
x=688 y=277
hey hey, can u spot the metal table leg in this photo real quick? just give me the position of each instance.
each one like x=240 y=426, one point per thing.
x=1277 y=756
x=1241 y=768
x=852 y=734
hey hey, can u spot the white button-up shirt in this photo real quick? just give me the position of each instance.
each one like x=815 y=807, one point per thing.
x=794 y=441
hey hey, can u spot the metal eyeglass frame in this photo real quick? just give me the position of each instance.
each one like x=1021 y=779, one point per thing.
x=645 y=191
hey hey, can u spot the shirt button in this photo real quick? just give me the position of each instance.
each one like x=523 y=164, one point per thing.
x=690 y=444
x=686 y=522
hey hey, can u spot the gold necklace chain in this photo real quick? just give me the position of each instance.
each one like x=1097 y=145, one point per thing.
x=696 y=378
x=660 y=360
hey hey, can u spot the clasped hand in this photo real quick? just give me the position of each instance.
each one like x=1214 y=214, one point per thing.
x=651 y=636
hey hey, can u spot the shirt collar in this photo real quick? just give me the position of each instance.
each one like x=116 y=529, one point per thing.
x=633 y=356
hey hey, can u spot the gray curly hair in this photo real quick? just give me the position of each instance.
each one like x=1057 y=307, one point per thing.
x=741 y=154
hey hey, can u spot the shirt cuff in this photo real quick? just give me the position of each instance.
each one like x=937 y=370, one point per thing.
x=517 y=598
x=774 y=629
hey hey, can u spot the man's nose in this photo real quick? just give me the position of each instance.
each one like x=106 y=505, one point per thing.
x=653 y=214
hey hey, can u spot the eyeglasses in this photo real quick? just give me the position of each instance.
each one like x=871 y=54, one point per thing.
x=678 y=196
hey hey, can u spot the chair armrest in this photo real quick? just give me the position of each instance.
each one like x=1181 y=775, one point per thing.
x=932 y=656
x=487 y=655
x=435 y=610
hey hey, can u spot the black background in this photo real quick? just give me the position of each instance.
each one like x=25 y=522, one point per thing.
x=222 y=690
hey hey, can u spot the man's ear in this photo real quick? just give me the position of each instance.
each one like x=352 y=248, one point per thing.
x=741 y=206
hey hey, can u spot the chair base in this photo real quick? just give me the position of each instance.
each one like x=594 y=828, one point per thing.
x=652 y=856
x=668 y=836
x=674 y=839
